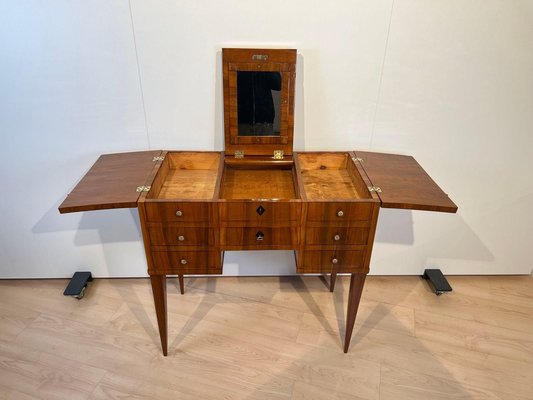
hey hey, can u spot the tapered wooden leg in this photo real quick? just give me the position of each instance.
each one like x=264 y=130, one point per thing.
x=332 y=280
x=159 y=289
x=182 y=287
x=357 y=282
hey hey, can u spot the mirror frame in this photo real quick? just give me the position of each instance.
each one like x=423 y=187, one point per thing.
x=266 y=60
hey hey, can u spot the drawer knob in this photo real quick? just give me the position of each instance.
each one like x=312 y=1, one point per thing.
x=179 y=213
x=260 y=235
x=334 y=261
x=183 y=261
x=337 y=237
x=340 y=213
x=181 y=238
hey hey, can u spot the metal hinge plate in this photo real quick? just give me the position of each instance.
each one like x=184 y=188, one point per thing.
x=158 y=158
x=357 y=159
x=143 y=188
x=278 y=154
x=376 y=189
x=239 y=153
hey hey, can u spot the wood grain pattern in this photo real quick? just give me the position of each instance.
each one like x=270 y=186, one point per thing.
x=320 y=260
x=327 y=176
x=186 y=262
x=338 y=212
x=244 y=184
x=111 y=182
x=357 y=282
x=259 y=238
x=329 y=184
x=159 y=288
x=275 y=213
x=337 y=235
x=404 y=183
x=187 y=175
x=189 y=185
x=196 y=212
x=281 y=60
x=179 y=235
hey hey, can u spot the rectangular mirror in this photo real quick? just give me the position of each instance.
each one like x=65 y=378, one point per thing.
x=259 y=101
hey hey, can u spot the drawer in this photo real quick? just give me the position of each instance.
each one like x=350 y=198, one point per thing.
x=338 y=236
x=323 y=261
x=187 y=262
x=197 y=212
x=260 y=237
x=260 y=213
x=339 y=212
x=177 y=235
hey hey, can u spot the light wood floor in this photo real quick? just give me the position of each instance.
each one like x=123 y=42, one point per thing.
x=268 y=338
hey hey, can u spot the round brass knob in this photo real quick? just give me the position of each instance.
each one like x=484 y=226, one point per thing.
x=340 y=213
x=179 y=213
x=183 y=261
x=181 y=238
x=337 y=237
x=334 y=261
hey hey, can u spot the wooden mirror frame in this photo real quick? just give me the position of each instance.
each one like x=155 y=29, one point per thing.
x=267 y=60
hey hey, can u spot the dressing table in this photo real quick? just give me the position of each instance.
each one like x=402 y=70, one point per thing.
x=257 y=194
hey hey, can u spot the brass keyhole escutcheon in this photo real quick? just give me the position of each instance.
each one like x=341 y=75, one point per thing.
x=260 y=210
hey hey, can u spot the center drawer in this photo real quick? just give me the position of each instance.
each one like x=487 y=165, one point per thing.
x=259 y=237
x=260 y=213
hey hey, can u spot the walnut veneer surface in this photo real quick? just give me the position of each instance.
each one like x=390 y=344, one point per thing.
x=199 y=204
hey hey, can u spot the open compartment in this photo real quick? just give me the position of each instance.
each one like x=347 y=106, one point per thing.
x=273 y=182
x=187 y=176
x=330 y=176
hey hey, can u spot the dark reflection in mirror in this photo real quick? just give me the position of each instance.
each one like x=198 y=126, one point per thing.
x=259 y=103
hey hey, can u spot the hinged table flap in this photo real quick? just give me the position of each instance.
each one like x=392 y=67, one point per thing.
x=113 y=182
x=401 y=182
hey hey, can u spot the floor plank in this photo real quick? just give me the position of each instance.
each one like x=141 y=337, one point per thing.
x=268 y=338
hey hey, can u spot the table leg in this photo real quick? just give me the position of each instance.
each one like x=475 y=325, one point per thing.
x=332 y=280
x=182 y=287
x=159 y=289
x=357 y=282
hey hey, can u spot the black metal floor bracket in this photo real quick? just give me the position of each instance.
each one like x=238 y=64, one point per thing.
x=437 y=281
x=78 y=283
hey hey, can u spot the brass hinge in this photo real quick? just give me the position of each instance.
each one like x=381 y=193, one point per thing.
x=158 y=158
x=143 y=188
x=239 y=153
x=357 y=159
x=278 y=154
x=376 y=189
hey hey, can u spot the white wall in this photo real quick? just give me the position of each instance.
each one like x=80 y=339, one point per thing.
x=448 y=82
